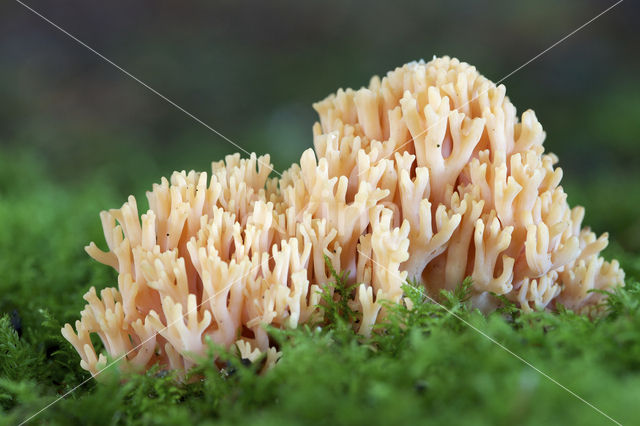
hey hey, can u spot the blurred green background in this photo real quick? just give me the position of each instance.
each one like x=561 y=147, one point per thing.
x=252 y=69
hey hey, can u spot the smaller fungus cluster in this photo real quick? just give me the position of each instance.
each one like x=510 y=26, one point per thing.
x=427 y=174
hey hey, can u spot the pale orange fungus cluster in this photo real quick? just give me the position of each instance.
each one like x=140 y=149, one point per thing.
x=428 y=174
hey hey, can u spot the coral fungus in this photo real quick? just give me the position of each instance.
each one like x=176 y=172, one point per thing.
x=427 y=174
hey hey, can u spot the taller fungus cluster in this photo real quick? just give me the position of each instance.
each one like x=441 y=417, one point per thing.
x=427 y=174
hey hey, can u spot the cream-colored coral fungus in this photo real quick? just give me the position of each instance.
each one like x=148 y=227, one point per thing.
x=427 y=174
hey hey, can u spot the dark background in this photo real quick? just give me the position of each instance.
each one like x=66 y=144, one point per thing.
x=252 y=70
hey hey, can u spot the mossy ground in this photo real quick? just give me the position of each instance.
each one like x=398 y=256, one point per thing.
x=424 y=366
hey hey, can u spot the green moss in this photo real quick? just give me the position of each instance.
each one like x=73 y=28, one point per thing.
x=421 y=365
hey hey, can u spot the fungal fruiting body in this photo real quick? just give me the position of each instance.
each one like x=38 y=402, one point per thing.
x=427 y=174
